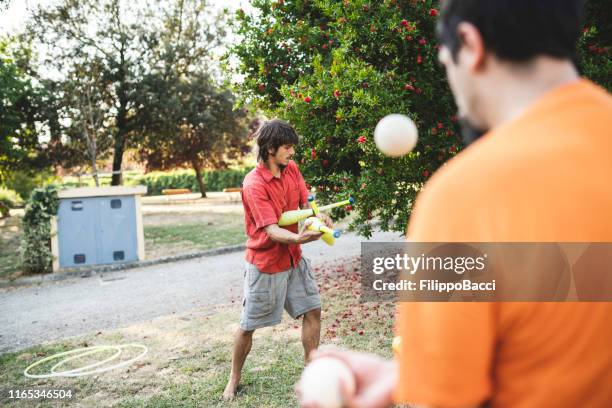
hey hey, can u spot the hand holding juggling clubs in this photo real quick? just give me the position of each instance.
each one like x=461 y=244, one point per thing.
x=295 y=216
x=329 y=235
x=315 y=224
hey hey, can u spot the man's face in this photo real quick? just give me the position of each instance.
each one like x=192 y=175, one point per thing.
x=460 y=82
x=283 y=154
x=465 y=76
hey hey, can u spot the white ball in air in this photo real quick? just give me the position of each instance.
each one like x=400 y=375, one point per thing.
x=322 y=380
x=395 y=135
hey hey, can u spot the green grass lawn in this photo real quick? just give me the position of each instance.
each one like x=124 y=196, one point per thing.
x=189 y=356
x=192 y=232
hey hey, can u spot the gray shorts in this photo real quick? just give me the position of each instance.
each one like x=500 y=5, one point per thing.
x=266 y=295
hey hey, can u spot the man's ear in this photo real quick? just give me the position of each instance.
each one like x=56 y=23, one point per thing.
x=473 y=49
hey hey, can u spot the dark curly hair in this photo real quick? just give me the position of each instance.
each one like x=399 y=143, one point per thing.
x=273 y=134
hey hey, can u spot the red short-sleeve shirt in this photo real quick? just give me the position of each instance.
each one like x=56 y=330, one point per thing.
x=265 y=198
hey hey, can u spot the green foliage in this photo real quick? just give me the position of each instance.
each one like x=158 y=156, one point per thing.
x=10 y=238
x=130 y=178
x=334 y=68
x=192 y=122
x=36 y=240
x=594 y=46
x=19 y=100
x=25 y=181
x=105 y=49
x=10 y=198
x=215 y=180
x=156 y=181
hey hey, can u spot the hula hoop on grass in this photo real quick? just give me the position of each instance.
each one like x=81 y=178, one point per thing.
x=86 y=370
x=118 y=352
x=58 y=355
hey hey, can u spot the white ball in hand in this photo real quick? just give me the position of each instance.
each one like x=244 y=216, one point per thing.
x=395 y=135
x=322 y=382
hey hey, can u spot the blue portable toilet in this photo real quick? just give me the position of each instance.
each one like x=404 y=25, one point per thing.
x=98 y=225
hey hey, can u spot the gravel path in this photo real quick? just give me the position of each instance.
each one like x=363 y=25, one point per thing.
x=39 y=314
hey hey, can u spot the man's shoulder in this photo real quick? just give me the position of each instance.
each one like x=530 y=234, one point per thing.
x=252 y=177
x=292 y=166
x=291 y=169
x=596 y=95
x=470 y=170
x=477 y=177
x=460 y=197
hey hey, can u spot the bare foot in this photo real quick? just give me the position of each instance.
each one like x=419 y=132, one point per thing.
x=230 y=389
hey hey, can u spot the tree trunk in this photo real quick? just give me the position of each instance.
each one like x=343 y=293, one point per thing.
x=122 y=130
x=120 y=141
x=200 y=179
x=118 y=158
x=94 y=170
x=92 y=138
x=92 y=148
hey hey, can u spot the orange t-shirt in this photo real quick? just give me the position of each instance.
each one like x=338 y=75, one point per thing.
x=544 y=177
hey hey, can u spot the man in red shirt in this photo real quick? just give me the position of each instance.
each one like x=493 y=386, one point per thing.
x=277 y=277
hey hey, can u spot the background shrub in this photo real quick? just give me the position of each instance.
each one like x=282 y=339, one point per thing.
x=36 y=240
x=215 y=180
x=10 y=198
x=24 y=182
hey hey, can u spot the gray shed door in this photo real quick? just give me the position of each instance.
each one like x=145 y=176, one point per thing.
x=118 y=229
x=76 y=232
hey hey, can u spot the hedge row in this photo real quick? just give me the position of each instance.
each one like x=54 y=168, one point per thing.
x=35 y=249
x=214 y=180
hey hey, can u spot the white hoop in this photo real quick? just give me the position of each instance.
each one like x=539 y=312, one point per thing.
x=84 y=370
x=117 y=349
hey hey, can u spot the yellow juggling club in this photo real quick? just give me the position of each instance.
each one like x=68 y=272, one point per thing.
x=313 y=205
x=295 y=216
x=397 y=344
x=329 y=235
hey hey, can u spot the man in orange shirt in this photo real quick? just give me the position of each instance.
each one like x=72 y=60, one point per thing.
x=540 y=173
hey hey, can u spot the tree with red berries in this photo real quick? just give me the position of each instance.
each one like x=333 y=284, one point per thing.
x=595 y=45
x=333 y=69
